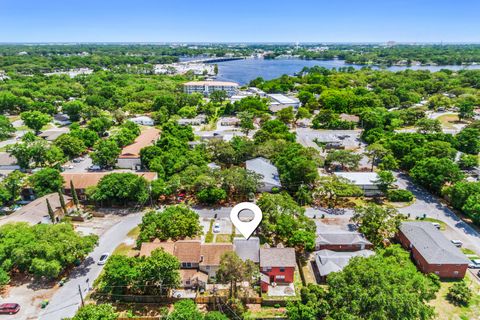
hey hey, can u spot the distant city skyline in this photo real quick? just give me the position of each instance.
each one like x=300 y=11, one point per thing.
x=271 y=21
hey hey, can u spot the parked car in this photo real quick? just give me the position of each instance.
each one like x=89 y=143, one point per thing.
x=474 y=264
x=436 y=225
x=216 y=228
x=478 y=274
x=94 y=168
x=77 y=160
x=9 y=308
x=457 y=243
x=103 y=259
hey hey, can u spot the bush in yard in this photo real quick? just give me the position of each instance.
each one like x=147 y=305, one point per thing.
x=399 y=195
x=459 y=294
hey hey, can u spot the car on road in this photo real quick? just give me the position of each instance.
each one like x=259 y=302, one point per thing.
x=457 y=243
x=474 y=264
x=103 y=259
x=9 y=308
x=216 y=227
x=436 y=225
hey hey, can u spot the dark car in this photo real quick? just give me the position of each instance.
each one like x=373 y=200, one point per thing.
x=9 y=308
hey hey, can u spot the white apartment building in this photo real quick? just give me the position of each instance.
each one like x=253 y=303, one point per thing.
x=207 y=87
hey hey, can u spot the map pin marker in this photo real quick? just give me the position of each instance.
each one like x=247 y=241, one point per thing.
x=246 y=228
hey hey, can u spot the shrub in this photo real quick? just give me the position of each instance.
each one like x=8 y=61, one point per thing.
x=399 y=195
x=459 y=294
x=211 y=195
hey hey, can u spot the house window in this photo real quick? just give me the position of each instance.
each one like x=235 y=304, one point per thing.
x=280 y=278
x=267 y=269
x=455 y=272
x=187 y=282
x=282 y=269
x=207 y=268
x=186 y=264
x=437 y=272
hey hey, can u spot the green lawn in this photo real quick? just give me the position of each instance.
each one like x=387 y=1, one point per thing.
x=447 y=311
x=223 y=238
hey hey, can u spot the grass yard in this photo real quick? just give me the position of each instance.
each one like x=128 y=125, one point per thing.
x=265 y=313
x=223 y=238
x=448 y=120
x=447 y=311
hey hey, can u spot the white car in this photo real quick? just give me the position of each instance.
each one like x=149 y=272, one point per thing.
x=103 y=259
x=457 y=243
x=474 y=264
x=216 y=227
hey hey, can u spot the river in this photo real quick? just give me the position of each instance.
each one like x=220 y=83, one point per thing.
x=242 y=71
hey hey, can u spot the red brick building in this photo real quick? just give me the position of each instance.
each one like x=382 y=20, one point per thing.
x=277 y=266
x=431 y=251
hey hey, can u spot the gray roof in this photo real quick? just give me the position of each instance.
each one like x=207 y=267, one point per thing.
x=329 y=261
x=341 y=238
x=263 y=167
x=247 y=249
x=277 y=257
x=432 y=244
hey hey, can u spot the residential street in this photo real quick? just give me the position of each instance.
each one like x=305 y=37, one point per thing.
x=66 y=300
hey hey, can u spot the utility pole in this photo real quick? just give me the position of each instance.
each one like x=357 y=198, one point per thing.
x=81 y=295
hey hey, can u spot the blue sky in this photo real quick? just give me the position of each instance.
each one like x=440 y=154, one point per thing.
x=239 y=21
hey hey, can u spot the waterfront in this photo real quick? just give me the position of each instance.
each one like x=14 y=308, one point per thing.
x=242 y=71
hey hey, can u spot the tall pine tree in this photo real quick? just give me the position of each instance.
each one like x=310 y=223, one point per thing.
x=74 y=194
x=50 y=212
x=62 y=202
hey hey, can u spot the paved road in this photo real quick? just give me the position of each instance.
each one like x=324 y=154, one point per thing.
x=66 y=300
x=432 y=206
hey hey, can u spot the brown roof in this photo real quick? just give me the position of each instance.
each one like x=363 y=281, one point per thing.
x=37 y=210
x=349 y=117
x=212 y=252
x=188 y=250
x=6 y=159
x=145 y=139
x=83 y=180
x=148 y=247
x=193 y=274
x=277 y=257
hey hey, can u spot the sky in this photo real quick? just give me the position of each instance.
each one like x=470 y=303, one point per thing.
x=239 y=21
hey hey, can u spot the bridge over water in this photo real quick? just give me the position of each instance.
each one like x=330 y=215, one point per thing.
x=214 y=60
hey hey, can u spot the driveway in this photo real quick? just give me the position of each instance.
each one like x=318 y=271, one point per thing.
x=65 y=302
